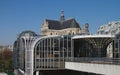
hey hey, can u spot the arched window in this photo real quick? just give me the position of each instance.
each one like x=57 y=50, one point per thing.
x=73 y=33
x=69 y=33
x=50 y=33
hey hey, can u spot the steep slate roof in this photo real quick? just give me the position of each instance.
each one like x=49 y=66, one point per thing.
x=54 y=24
x=57 y=25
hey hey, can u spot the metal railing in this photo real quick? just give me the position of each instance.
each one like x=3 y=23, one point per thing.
x=101 y=60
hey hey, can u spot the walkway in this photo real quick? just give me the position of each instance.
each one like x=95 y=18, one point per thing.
x=98 y=67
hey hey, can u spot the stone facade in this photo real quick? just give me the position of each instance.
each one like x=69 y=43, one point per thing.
x=63 y=27
x=110 y=28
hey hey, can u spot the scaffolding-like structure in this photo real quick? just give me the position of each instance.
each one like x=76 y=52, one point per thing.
x=51 y=52
x=33 y=53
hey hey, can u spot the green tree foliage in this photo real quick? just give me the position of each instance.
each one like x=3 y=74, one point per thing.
x=6 y=59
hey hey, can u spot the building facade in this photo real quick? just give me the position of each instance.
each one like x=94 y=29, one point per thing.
x=110 y=28
x=8 y=47
x=63 y=27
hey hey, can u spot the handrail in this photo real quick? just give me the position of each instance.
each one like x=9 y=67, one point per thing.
x=102 y=60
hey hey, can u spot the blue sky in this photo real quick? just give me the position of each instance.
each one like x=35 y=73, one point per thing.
x=19 y=15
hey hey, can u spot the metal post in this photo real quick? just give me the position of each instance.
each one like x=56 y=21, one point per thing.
x=47 y=53
x=67 y=47
x=50 y=52
x=118 y=48
x=44 y=53
x=59 y=50
x=63 y=49
x=53 y=54
x=39 y=55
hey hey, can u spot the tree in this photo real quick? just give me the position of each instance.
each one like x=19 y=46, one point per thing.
x=6 y=60
x=7 y=54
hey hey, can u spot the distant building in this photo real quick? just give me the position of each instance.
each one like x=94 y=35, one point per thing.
x=112 y=28
x=9 y=47
x=116 y=46
x=1 y=48
x=63 y=27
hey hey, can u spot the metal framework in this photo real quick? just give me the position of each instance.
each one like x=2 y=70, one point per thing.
x=91 y=46
x=34 y=53
x=116 y=46
x=23 y=57
x=51 y=52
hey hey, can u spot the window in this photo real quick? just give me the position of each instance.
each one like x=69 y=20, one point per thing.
x=73 y=33
x=50 y=33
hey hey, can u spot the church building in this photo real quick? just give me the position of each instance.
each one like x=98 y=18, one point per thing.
x=63 y=27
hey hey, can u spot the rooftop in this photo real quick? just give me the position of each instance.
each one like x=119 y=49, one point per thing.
x=93 y=36
x=62 y=23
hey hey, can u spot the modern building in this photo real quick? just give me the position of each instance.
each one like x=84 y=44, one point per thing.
x=63 y=27
x=110 y=28
x=33 y=53
x=23 y=58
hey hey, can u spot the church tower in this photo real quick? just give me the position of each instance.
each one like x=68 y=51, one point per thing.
x=87 y=29
x=62 y=18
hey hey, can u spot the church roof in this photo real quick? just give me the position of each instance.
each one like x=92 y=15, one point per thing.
x=53 y=24
x=58 y=25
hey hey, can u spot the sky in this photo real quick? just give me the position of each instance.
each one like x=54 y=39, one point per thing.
x=20 y=15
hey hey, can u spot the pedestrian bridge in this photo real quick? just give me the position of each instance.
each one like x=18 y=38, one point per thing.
x=97 y=66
